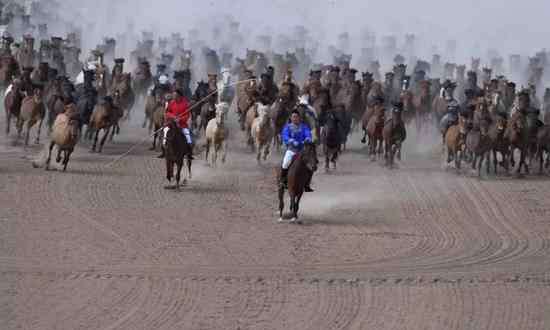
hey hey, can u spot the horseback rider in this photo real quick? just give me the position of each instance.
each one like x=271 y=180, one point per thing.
x=451 y=116
x=295 y=134
x=178 y=109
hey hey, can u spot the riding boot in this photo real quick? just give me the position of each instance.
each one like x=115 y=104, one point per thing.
x=284 y=178
x=308 y=188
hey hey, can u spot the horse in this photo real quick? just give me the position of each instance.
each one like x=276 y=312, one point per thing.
x=246 y=98
x=12 y=105
x=330 y=139
x=543 y=145
x=302 y=168
x=157 y=119
x=394 y=134
x=143 y=79
x=374 y=128
x=197 y=101
x=8 y=71
x=216 y=134
x=64 y=134
x=423 y=105
x=104 y=117
x=123 y=85
x=33 y=111
x=177 y=149
x=152 y=103
x=455 y=140
x=499 y=142
x=478 y=141
x=262 y=131
x=517 y=134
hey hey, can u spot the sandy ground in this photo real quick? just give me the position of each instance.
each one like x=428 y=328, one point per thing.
x=414 y=248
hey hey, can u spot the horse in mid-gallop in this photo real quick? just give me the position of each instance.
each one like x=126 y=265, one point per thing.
x=216 y=134
x=176 y=150
x=302 y=168
x=394 y=133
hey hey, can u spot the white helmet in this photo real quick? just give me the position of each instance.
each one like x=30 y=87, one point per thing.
x=163 y=79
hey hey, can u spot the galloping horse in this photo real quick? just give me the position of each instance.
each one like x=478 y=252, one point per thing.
x=177 y=149
x=299 y=172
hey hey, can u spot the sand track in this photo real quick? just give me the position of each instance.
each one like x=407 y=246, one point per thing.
x=413 y=248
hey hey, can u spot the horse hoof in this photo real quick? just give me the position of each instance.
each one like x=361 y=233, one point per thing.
x=280 y=220
x=293 y=220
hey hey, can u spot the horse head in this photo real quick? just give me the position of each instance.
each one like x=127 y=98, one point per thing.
x=221 y=111
x=309 y=156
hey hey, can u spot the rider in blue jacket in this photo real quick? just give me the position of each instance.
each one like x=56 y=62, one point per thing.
x=295 y=134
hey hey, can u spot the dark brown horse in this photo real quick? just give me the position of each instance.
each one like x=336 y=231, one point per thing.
x=478 y=141
x=518 y=137
x=499 y=143
x=423 y=106
x=176 y=149
x=299 y=173
x=12 y=105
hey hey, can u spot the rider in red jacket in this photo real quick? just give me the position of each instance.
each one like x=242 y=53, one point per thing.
x=178 y=109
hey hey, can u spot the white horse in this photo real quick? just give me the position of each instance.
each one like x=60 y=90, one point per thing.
x=216 y=134
x=262 y=131
x=226 y=92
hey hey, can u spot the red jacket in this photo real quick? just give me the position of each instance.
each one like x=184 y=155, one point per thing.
x=179 y=110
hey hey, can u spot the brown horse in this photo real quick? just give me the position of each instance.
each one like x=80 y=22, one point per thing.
x=8 y=71
x=423 y=106
x=280 y=112
x=455 y=140
x=12 y=105
x=246 y=98
x=177 y=149
x=478 y=141
x=143 y=78
x=517 y=135
x=157 y=120
x=394 y=134
x=373 y=127
x=32 y=111
x=123 y=85
x=299 y=173
x=65 y=133
x=499 y=143
x=104 y=117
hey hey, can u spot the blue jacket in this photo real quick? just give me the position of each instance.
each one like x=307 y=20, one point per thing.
x=294 y=136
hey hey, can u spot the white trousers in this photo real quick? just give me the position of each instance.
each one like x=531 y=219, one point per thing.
x=287 y=159
x=185 y=132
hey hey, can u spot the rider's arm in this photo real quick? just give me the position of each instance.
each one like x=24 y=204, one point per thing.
x=285 y=135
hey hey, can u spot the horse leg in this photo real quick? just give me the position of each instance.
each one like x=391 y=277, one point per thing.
x=95 y=139
x=37 y=141
x=154 y=142
x=293 y=207
x=66 y=160
x=327 y=168
x=113 y=131
x=189 y=162
x=179 y=165
x=215 y=155
x=104 y=138
x=58 y=158
x=8 y=120
x=481 y=157
x=49 y=155
x=266 y=151
x=259 y=152
x=281 y=193
x=495 y=160
x=541 y=158
x=207 y=151
x=28 y=132
x=224 y=155
x=297 y=208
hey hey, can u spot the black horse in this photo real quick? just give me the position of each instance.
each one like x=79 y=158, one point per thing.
x=176 y=150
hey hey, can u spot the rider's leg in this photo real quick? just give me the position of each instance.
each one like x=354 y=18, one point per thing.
x=187 y=133
x=287 y=159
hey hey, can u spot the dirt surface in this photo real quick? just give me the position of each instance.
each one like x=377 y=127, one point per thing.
x=413 y=248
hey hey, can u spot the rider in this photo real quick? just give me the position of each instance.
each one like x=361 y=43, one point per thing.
x=295 y=134
x=178 y=109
